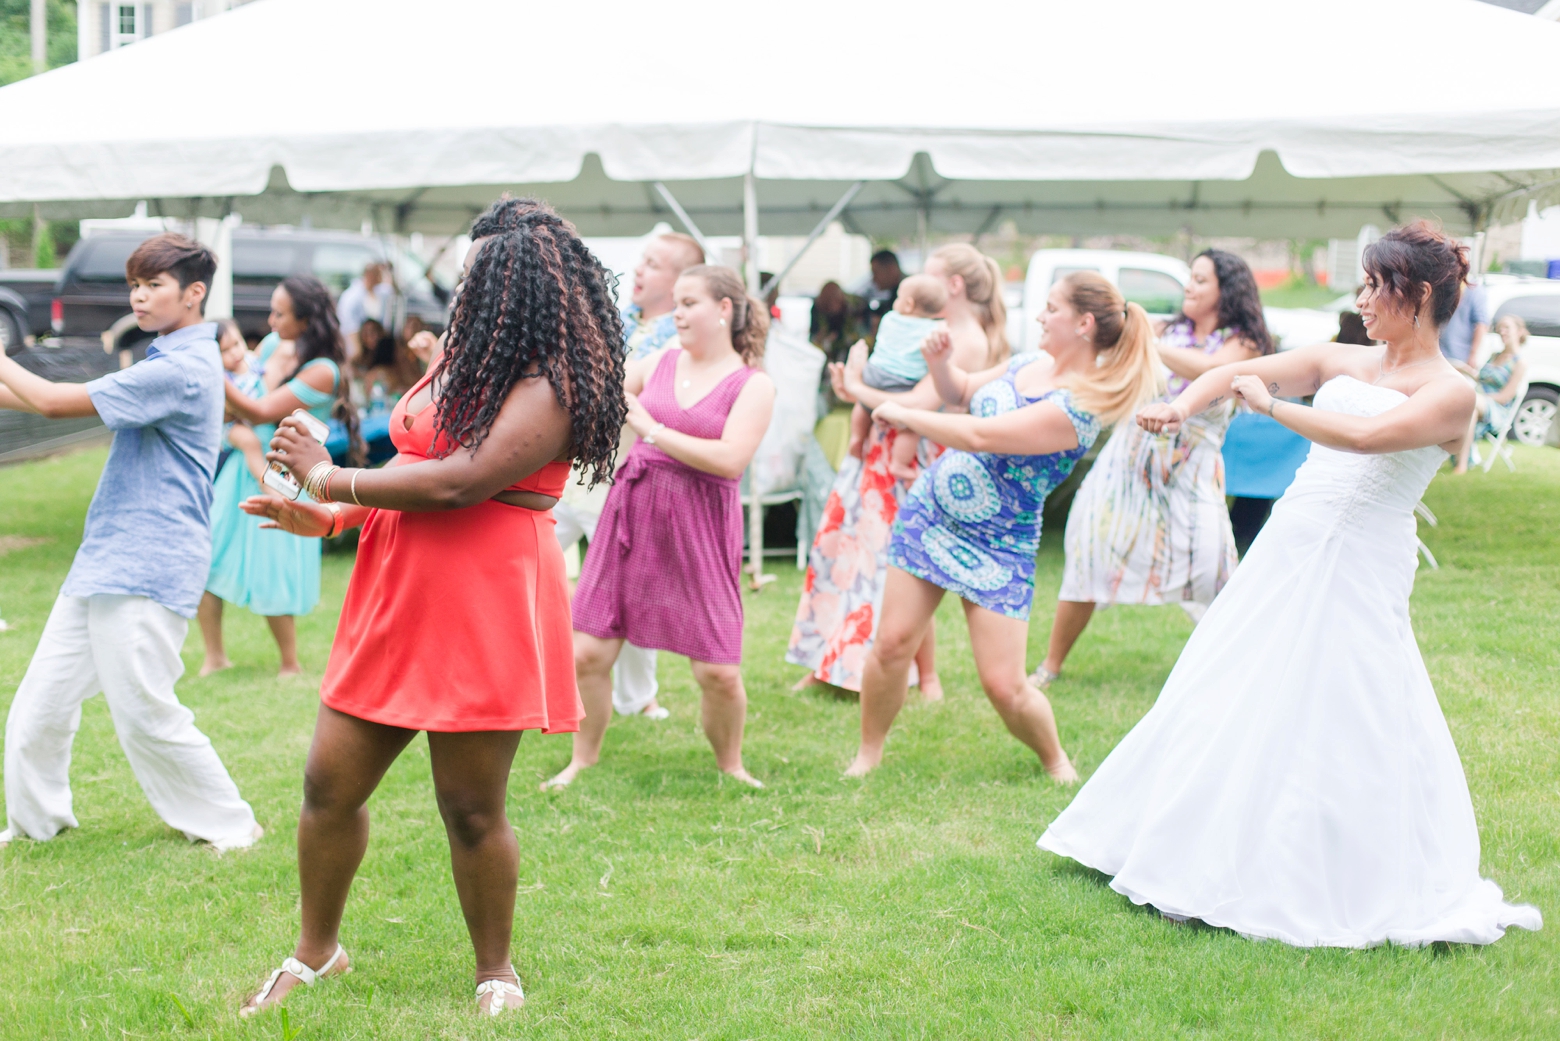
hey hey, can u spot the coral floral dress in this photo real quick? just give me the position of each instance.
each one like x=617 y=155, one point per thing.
x=457 y=620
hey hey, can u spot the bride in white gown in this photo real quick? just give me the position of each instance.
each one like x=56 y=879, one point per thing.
x=1296 y=779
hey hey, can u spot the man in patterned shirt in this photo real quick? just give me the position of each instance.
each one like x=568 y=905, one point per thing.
x=647 y=327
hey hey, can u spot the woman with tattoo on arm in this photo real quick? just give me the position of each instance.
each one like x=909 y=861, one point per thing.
x=1296 y=779
x=456 y=621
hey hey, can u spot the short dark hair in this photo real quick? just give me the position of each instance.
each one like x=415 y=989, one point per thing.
x=1414 y=255
x=885 y=256
x=184 y=258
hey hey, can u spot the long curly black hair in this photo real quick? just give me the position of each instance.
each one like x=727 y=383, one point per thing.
x=321 y=338
x=536 y=303
x=1240 y=302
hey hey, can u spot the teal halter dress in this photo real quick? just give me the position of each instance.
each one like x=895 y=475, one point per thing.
x=270 y=572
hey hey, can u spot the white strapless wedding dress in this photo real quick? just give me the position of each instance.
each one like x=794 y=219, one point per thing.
x=1296 y=779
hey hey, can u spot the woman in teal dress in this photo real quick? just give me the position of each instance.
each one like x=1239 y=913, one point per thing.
x=971 y=523
x=272 y=573
x=1497 y=382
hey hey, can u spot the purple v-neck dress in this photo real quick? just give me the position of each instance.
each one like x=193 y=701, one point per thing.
x=664 y=570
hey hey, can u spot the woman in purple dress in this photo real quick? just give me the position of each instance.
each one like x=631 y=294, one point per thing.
x=664 y=569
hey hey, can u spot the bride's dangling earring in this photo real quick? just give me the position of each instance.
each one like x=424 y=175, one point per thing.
x=1416 y=321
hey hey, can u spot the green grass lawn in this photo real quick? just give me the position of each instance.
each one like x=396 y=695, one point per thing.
x=657 y=901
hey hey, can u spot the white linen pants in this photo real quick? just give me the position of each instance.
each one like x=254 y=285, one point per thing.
x=127 y=647
x=633 y=677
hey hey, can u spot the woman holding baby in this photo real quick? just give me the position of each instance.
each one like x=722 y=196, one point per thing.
x=842 y=597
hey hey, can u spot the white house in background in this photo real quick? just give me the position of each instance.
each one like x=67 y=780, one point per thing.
x=104 y=25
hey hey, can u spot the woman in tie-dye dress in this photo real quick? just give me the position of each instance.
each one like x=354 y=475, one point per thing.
x=1149 y=524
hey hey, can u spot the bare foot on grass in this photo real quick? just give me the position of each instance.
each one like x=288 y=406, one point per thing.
x=864 y=763
x=806 y=681
x=289 y=670
x=931 y=688
x=741 y=774
x=1063 y=772
x=214 y=665
x=564 y=777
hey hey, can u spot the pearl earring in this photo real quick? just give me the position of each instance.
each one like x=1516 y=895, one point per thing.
x=723 y=321
x=186 y=307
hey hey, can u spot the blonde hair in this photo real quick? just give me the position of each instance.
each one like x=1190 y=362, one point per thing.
x=749 y=317
x=928 y=294
x=1127 y=374
x=1522 y=329
x=982 y=288
x=693 y=253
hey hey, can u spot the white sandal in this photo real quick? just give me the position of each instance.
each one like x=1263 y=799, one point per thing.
x=306 y=976
x=1042 y=677
x=503 y=991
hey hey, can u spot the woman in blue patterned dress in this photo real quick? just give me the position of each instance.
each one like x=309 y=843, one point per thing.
x=971 y=524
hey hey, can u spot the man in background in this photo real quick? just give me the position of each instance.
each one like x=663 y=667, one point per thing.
x=1464 y=331
x=879 y=289
x=367 y=297
x=647 y=328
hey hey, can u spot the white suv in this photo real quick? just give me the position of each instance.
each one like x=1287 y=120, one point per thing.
x=1537 y=302
x=1150 y=279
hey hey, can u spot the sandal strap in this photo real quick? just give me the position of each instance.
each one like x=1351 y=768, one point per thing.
x=501 y=990
x=306 y=975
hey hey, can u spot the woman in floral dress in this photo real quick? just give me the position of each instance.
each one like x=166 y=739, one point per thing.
x=1149 y=524
x=971 y=524
x=843 y=592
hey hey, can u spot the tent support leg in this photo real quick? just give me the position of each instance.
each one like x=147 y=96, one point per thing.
x=693 y=229
x=822 y=226
x=750 y=232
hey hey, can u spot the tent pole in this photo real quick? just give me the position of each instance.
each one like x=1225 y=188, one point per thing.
x=750 y=232
x=687 y=221
x=823 y=225
x=750 y=272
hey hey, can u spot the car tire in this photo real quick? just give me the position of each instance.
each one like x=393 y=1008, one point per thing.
x=1534 y=423
x=10 y=333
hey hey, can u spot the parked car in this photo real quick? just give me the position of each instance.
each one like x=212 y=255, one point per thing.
x=1537 y=302
x=91 y=289
x=25 y=300
x=1150 y=279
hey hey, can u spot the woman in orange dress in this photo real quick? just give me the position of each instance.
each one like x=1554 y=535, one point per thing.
x=456 y=620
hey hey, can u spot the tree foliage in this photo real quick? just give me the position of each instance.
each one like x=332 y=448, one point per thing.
x=16 y=37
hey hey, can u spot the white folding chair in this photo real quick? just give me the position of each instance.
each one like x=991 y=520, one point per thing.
x=1498 y=445
x=1424 y=511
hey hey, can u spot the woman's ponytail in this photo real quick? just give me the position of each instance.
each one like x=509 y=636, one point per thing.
x=1127 y=374
x=749 y=317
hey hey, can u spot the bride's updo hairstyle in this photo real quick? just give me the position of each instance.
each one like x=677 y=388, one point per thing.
x=1415 y=255
x=1126 y=373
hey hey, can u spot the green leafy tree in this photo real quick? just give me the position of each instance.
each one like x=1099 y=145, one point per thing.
x=16 y=37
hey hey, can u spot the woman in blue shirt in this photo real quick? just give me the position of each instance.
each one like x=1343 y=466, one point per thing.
x=271 y=572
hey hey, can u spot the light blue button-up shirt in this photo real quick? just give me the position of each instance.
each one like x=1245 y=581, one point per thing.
x=148 y=529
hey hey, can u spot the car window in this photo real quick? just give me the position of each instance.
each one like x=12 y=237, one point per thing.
x=338 y=263
x=105 y=259
x=1155 y=291
x=1541 y=313
x=1062 y=272
x=262 y=261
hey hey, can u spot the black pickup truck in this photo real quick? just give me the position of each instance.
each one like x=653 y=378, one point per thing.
x=90 y=296
x=26 y=299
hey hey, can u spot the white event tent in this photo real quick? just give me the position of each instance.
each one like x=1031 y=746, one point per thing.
x=1220 y=117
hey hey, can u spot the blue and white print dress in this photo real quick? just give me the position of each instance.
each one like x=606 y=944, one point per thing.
x=971 y=523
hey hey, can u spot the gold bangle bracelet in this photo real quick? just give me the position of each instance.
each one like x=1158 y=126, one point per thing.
x=337 y=519
x=353 y=489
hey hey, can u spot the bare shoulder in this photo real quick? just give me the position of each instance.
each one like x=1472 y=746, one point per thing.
x=758 y=387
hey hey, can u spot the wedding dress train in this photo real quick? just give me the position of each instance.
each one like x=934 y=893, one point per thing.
x=1296 y=779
